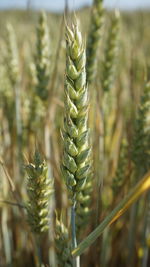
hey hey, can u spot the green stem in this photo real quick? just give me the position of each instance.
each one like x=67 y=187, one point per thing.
x=133 y=229
x=132 y=234
x=146 y=234
x=38 y=249
x=18 y=129
x=76 y=260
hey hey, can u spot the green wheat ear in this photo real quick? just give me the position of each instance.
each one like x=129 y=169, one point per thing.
x=109 y=65
x=141 y=140
x=140 y=157
x=39 y=189
x=42 y=58
x=40 y=74
x=76 y=156
x=62 y=243
x=84 y=201
x=95 y=32
x=12 y=58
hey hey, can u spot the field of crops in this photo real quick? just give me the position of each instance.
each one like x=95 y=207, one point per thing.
x=75 y=138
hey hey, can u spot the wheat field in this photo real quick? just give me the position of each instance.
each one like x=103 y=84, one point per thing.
x=75 y=138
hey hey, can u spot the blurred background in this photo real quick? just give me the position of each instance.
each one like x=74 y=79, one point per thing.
x=58 y=5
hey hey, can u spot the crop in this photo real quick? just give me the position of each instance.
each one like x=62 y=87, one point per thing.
x=75 y=138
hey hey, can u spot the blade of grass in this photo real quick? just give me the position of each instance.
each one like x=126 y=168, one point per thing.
x=133 y=195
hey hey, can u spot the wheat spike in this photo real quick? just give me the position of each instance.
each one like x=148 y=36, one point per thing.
x=42 y=58
x=76 y=163
x=40 y=189
x=111 y=52
x=94 y=37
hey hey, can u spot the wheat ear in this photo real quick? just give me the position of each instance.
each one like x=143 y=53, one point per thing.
x=140 y=151
x=94 y=37
x=12 y=59
x=109 y=65
x=76 y=163
x=140 y=155
x=120 y=175
x=42 y=58
x=75 y=167
x=40 y=189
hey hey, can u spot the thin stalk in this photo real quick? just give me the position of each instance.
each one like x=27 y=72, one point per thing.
x=55 y=69
x=76 y=260
x=38 y=250
x=100 y=175
x=18 y=128
x=13 y=203
x=47 y=137
x=146 y=235
x=6 y=234
x=105 y=247
x=7 y=242
x=132 y=233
